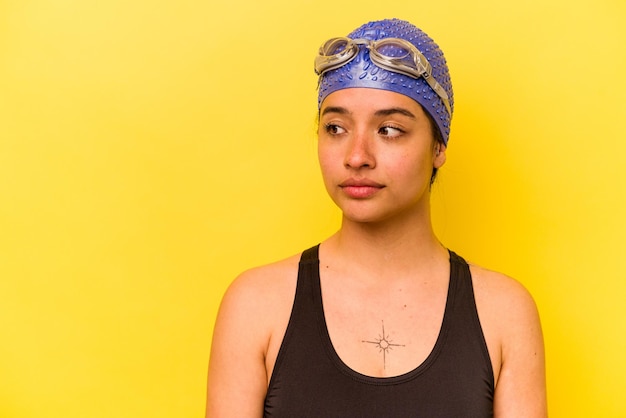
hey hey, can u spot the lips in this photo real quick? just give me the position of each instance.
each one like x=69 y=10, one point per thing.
x=360 y=188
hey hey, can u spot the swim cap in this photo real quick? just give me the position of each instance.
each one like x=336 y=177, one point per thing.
x=362 y=72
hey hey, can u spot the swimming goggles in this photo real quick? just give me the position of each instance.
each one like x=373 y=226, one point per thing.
x=406 y=59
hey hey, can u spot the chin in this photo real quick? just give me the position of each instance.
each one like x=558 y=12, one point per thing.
x=365 y=216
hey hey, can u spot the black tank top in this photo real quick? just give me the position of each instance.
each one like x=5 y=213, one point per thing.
x=310 y=380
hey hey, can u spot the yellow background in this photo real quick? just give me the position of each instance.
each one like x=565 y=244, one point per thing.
x=152 y=150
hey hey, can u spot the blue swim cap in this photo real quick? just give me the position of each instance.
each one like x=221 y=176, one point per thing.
x=362 y=72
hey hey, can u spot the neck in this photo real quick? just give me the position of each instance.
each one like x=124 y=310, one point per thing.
x=393 y=246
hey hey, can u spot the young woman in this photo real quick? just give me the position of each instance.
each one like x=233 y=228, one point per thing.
x=380 y=319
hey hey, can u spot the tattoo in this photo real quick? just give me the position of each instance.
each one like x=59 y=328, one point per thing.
x=383 y=343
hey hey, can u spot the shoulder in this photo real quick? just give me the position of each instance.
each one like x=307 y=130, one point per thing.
x=256 y=306
x=261 y=290
x=512 y=329
x=502 y=300
x=253 y=313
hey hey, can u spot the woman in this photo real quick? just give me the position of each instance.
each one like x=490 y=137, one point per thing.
x=380 y=319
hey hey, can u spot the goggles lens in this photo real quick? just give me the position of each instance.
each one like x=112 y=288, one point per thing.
x=392 y=54
x=335 y=53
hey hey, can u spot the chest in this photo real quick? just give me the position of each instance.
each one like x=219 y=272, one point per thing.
x=383 y=332
x=329 y=366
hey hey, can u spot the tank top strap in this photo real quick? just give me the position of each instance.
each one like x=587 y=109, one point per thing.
x=464 y=313
x=310 y=255
x=305 y=311
x=308 y=288
x=460 y=292
x=459 y=262
x=460 y=279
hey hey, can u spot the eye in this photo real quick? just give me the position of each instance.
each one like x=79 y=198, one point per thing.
x=390 y=131
x=334 y=129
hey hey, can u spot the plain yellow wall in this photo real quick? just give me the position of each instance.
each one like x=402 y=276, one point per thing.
x=152 y=150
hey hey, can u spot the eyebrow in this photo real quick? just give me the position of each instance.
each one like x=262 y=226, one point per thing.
x=382 y=112
x=395 y=110
x=335 y=109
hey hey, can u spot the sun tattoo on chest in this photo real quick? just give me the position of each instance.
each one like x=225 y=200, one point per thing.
x=383 y=343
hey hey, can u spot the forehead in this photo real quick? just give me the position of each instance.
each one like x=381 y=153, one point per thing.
x=369 y=100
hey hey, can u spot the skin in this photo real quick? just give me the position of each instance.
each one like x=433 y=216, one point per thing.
x=376 y=153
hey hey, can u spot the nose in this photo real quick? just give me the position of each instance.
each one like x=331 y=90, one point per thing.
x=359 y=153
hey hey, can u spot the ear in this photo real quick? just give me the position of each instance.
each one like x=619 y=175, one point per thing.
x=440 y=155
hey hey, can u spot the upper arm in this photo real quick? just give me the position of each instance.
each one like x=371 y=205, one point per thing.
x=237 y=379
x=521 y=385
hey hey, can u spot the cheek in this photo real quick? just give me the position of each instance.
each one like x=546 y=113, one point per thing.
x=411 y=167
x=328 y=151
x=325 y=159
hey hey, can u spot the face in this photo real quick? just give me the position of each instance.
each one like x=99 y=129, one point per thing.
x=377 y=154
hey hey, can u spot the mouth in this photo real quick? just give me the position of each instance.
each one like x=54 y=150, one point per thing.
x=360 y=189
